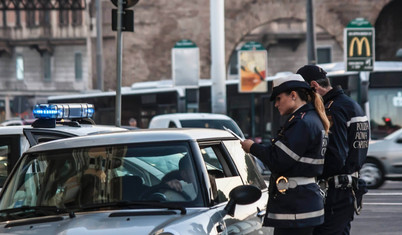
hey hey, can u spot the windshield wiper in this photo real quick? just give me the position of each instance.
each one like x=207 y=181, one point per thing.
x=29 y=211
x=135 y=204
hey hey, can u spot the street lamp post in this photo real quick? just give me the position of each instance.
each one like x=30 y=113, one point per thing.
x=121 y=4
x=311 y=53
x=118 y=63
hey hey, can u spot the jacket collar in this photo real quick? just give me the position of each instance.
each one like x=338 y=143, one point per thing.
x=304 y=108
x=332 y=93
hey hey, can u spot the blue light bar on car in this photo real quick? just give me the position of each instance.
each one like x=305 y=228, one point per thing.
x=63 y=111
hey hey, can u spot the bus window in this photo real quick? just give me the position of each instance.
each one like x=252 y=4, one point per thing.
x=385 y=111
x=385 y=100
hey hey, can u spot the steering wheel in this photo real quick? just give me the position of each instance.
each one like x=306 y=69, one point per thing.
x=162 y=193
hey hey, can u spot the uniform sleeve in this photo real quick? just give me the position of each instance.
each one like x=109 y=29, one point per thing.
x=338 y=147
x=285 y=151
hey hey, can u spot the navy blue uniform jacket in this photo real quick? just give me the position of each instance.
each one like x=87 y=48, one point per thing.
x=348 y=143
x=298 y=151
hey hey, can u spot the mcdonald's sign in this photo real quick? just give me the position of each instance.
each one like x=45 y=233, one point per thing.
x=359 y=46
x=359 y=43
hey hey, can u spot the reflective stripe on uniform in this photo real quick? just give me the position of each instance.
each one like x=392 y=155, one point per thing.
x=299 y=216
x=357 y=119
x=297 y=157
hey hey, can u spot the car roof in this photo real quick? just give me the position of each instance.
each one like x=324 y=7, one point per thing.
x=12 y=130
x=135 y=136
x=83 y=129
x=192 y=116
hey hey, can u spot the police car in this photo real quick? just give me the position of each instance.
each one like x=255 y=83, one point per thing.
x=148 y=181
x=53 y=121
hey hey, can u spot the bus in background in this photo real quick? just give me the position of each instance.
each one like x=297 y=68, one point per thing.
x=378 y=92
x=141 y=103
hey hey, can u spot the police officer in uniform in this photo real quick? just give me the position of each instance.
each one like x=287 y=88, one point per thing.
x=345 y=155
x=295 y=158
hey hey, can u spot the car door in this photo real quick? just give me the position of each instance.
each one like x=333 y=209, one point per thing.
x=394 y=154
x=225 y=174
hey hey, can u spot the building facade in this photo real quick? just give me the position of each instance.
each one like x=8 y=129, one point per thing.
x=280 y=25
x=48 y=52
x=44 y=50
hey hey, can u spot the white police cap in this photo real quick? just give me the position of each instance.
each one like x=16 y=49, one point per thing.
x=288 y=83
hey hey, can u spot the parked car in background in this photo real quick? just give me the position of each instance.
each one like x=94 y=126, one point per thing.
x=170 y=181
x=195 y=120
x=17 y=122
x=384 y=160
x=15 y=140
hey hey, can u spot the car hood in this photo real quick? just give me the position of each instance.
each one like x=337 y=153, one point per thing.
x=117 y=222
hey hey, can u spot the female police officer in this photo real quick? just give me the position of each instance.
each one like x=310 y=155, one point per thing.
x=295 y=158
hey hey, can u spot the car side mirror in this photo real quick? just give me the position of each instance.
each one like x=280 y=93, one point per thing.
x=242 y=195
x=399 y=140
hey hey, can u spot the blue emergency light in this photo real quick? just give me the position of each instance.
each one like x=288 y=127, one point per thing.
x=63 y=111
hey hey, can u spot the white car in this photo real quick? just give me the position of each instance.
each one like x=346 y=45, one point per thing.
x=384 y=160
x=195 y=120
x=133 y=183
x=15 y=140
x=17 y=122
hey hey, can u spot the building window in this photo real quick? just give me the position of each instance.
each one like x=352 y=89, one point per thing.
x=19 y=67
x=324 y=55
x=233 y=64
x=4 y=18
x=63 y=17
x=78 y=65
x=47 y=67
x=45 y=18
x=30 y=18
x=76 y=17
x=17 y=18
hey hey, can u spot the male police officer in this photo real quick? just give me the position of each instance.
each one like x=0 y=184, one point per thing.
x=345 y=155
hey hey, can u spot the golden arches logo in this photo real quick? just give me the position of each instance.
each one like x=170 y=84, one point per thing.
x=359 y=43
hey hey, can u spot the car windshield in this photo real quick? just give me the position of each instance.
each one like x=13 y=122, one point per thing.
x=212 y=123
x=100 y=176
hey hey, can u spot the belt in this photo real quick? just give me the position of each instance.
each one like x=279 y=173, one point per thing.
x=284 y=183
x=343 y=181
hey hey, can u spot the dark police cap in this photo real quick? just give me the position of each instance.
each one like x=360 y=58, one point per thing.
x=312 y=73
x=288 y=83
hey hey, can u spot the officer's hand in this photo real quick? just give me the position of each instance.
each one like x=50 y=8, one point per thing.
x=246 y=145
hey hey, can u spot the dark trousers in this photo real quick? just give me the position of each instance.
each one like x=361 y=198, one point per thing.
x=293 y=231
x=338 y=214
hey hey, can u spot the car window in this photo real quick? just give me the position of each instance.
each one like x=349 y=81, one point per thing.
x=37 y=136
x=84 y=176
x=245 y=164
x=4 y=151
x=222 y=174
x=10 y=150
x=172 y=124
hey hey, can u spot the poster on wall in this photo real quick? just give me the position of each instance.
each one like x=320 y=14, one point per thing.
x=253 y=63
